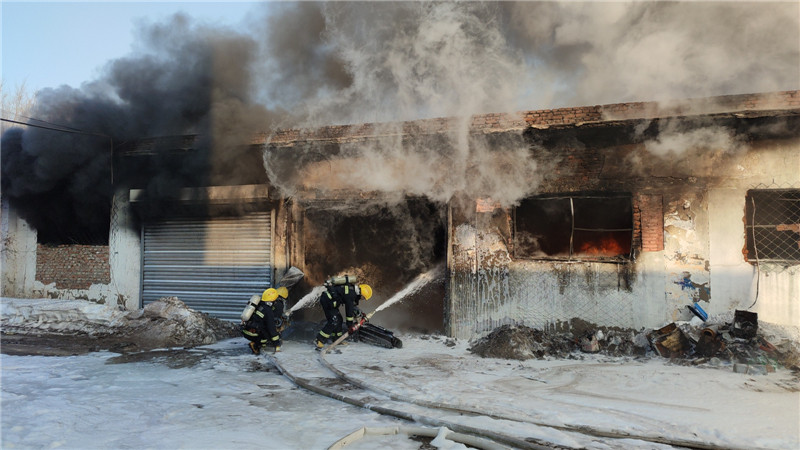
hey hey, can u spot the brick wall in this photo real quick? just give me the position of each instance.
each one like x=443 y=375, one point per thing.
x=72 y=266
x=651 y=216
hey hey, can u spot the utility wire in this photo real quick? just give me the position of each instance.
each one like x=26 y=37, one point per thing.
x=54 y=128
x=755 y=249
x=73 y=131
x=6 y=112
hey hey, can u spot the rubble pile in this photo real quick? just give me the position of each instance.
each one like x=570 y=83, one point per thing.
x=521 y=343
x=736 y=342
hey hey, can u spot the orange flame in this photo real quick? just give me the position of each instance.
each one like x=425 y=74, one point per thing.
x=608 y=246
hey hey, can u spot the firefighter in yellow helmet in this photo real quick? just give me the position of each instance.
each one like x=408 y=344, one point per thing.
x=263 y=324
x=335 y=295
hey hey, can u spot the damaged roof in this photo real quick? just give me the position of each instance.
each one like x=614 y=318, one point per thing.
x=724 y=110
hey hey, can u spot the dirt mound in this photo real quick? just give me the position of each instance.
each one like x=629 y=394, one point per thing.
x=559 y=340
x=521 y=343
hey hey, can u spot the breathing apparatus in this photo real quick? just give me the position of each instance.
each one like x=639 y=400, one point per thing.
x=251 y=307
x=269 y=295
x=342 y=279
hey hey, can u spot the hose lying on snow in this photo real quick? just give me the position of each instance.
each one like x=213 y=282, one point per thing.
x=417 y=418
x=441 y=432
x=465 y=409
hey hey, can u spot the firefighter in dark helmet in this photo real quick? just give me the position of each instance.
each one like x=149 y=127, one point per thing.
x=262 y=320
x=335 y=295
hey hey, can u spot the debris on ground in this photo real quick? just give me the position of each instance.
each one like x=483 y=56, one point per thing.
x=669 y=341
x=724 y=341
x=521 y=343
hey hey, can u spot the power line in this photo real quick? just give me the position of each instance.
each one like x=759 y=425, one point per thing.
x=53 y=128
x=6 y=112
x=73 y=131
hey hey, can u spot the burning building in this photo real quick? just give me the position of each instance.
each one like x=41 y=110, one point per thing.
x=619 y=214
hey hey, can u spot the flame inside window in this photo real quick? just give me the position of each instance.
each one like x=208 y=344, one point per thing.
x=590 y=227
x=605 y=244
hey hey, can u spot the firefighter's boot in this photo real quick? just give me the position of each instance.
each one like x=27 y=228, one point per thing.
x=256 y=350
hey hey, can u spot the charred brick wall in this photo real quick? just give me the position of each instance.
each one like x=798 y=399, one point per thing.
x=72 y=266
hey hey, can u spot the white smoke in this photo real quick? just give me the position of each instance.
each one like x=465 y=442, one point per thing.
x=413 y=60
x=680 y=144
x=343 y=62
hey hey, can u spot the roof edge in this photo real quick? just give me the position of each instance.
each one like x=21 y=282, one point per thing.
x=544 y=118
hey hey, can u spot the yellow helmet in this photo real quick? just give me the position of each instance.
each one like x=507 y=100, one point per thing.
x=283 y=291
x=365 y=290
x=270 y=295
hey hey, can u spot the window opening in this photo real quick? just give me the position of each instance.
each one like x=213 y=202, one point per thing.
x=575 y=227
x=772 y=226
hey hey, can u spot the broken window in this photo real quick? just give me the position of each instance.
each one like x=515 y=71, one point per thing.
x=593 y=227
x=772 y=225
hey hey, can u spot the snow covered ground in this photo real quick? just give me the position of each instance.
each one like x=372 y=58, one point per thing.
x=221 y=396
x=215 y=397
x=651 y=397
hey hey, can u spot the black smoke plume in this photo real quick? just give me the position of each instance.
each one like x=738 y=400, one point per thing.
x=189 y=80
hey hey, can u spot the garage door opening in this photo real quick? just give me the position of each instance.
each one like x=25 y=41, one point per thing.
x=213 y=264
x=386 y=246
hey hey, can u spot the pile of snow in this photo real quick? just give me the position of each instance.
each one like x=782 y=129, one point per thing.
x=65 y=316
x=167 y=322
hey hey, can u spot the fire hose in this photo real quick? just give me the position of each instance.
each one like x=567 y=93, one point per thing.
x=439 y=433
x=364 y=318
x=470 y=410
x=497 y=438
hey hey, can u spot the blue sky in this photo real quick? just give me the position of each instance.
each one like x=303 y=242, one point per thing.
x=47 y=44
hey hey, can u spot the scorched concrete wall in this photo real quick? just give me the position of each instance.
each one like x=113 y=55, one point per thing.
x=18 y=254
x=701 y=259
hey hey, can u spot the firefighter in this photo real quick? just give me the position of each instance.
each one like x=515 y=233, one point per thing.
x=265 y=323
x=335 y=295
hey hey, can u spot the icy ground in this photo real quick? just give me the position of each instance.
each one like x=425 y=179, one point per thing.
x=220 y=396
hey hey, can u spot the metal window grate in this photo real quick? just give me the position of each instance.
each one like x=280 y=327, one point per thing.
x=772 y=218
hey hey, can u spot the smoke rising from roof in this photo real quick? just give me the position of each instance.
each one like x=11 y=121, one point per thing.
x=308 y=64
x=354 y=62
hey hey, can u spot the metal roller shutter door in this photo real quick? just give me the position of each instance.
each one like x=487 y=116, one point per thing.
x=213 y=265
